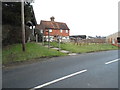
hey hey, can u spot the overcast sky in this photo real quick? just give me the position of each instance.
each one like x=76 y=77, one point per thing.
x=83 y=17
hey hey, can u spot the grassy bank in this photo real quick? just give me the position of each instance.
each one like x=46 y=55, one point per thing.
x=84 y=48
x=13 y=53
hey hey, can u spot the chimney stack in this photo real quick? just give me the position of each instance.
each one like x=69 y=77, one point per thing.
x=52 y=18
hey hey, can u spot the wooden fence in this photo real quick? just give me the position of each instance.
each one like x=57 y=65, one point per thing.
x=88 y=41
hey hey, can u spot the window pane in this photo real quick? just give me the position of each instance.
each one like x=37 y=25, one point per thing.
x=50 y=30
x=61 y=30
x=66 y=31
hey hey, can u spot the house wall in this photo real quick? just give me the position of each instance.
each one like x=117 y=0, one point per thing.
x=64 y=37
x=113 y=38
x=57 y=32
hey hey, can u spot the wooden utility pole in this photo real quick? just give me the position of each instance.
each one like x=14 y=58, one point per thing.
x=23 y=25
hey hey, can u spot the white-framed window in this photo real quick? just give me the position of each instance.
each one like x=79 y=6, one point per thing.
x=67 y=37
x=61 y=30
x=50 y=30
x=63 y=38
x=66 y=31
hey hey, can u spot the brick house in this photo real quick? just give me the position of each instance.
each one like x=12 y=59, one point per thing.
x=53 y=30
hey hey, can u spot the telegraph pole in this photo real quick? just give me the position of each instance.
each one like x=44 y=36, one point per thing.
x=23 y=25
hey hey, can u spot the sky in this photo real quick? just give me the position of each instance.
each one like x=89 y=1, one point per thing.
x=83 y=17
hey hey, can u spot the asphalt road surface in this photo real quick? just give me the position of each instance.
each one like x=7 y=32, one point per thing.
x=89 y=70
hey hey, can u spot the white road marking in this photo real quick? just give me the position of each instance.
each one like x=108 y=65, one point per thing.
x=112 y=61
x=59 y=79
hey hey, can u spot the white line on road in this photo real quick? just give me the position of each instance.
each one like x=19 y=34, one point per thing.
x=112 y=61
x=59 y=79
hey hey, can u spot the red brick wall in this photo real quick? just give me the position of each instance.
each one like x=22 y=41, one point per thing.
x=57 y=32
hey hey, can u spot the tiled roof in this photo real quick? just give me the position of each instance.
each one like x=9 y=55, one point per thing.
x=53 y=25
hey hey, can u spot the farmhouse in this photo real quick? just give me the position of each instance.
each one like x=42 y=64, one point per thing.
x=53 y=30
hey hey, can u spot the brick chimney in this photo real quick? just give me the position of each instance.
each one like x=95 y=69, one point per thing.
x=52 y=18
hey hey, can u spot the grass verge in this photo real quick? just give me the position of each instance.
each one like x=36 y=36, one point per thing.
x=14 y=53
x=84 y=48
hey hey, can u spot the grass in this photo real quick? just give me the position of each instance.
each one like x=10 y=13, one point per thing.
x=84 y=48
x=14 y=53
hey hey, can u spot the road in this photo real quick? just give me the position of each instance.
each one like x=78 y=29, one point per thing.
x=89 y=70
